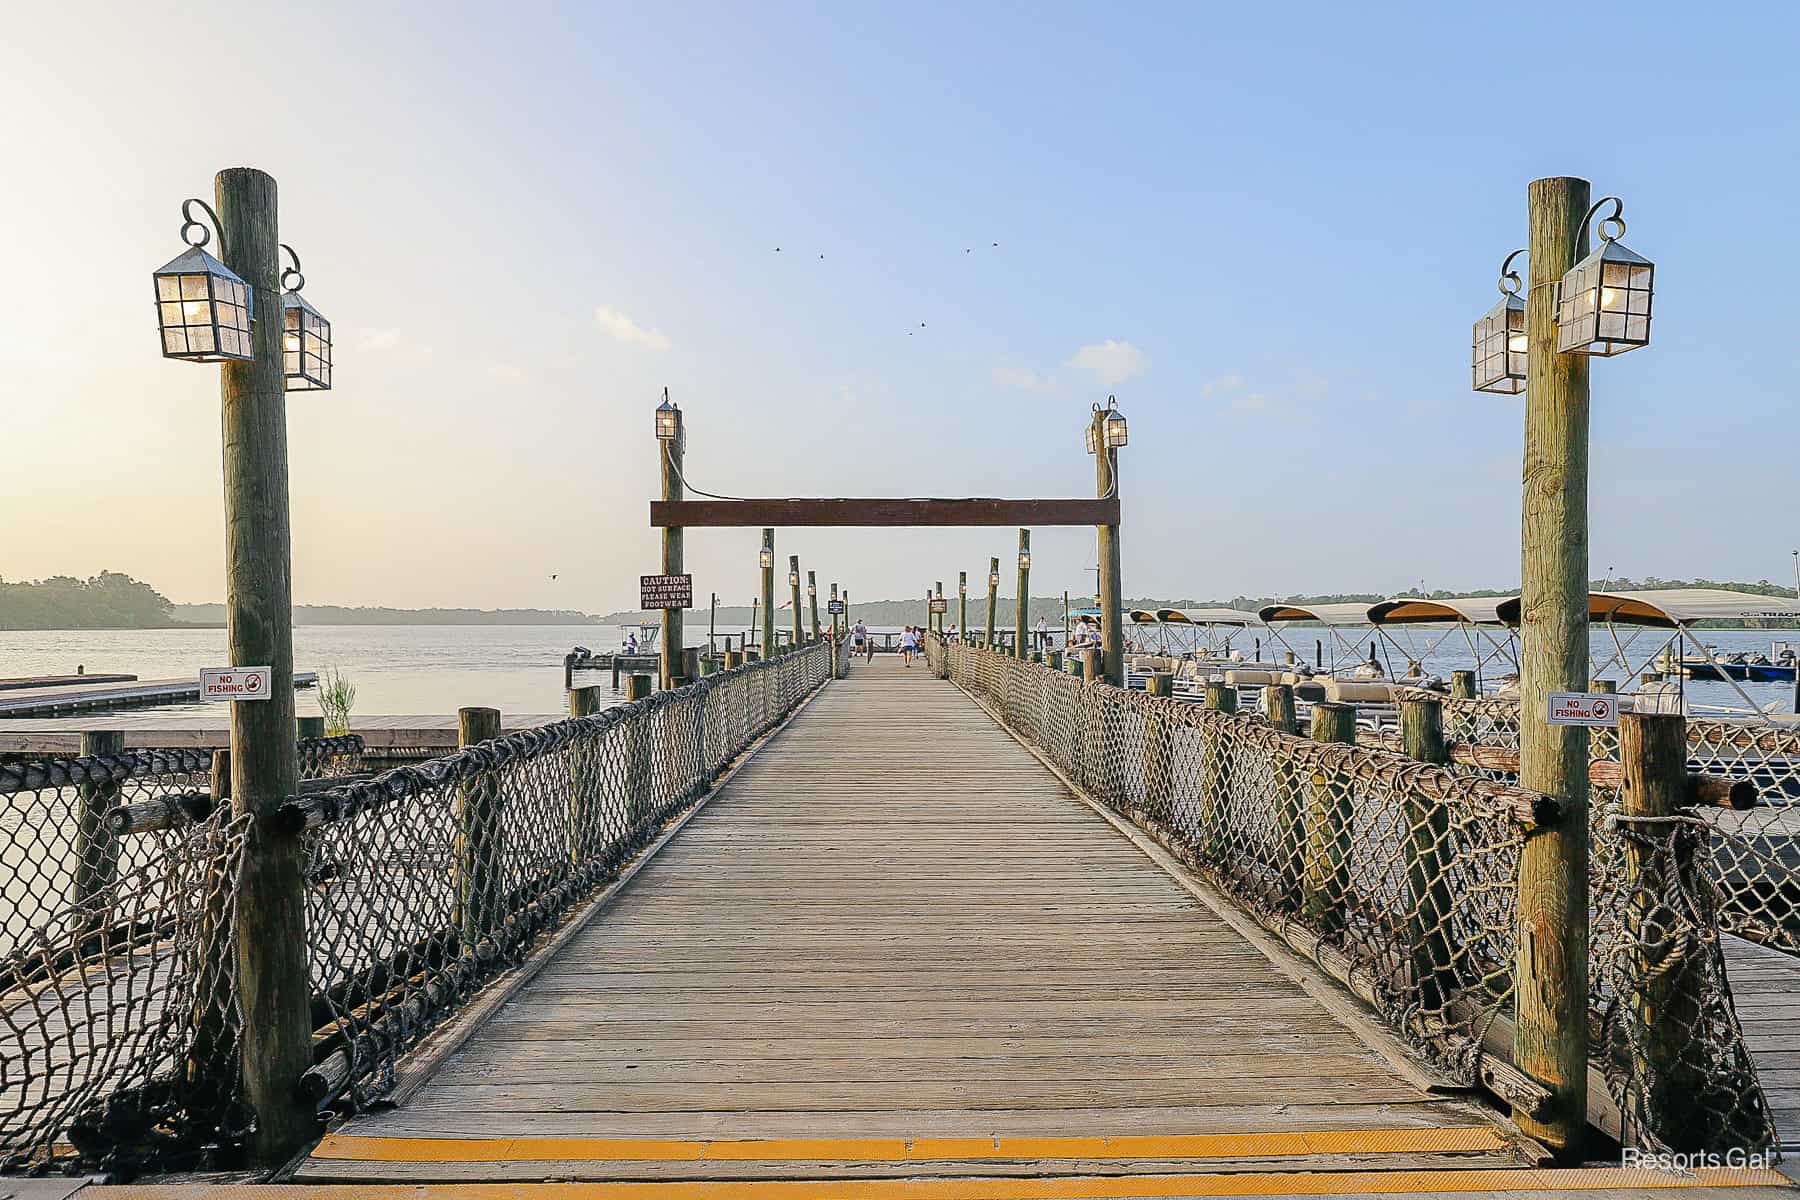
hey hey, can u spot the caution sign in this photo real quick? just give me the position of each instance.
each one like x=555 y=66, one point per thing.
x=1597 y=710
x=236 y=683
x=939 y=604
x=666 y=591
x=835 y=607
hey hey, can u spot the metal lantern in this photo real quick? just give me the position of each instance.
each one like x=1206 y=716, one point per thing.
x=668 y=419
x=1024 y=560
x=993 y=579
x=812 y=589
x=1498 y=353
x=765 y=558
x=305 y=335
x=1114 y=425
x=793 y=570
x=203 y=307
x=1603 y=303
x=1093 y=439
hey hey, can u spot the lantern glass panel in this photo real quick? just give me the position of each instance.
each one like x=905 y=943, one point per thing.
x=1093 y=441
x=305 y=346
x=765 y=559
x=793 y=580
x=1024 y=562
x=1499 y=348
x=203 y=309
x=993 y=579
x=1115 y=430
x=668 y=422
x=1603 y=303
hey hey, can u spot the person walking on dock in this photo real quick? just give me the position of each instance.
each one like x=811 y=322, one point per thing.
x=908 y=642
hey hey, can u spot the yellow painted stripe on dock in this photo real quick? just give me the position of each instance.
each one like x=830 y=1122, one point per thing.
x=1297 y=1183
x=1467 y=1139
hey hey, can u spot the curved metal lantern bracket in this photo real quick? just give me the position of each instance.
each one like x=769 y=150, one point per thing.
x=1616 y=218
x=292 y=272
x=1510 y=283
x=191 y=223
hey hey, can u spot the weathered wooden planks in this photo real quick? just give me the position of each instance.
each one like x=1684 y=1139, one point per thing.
x=894 y=922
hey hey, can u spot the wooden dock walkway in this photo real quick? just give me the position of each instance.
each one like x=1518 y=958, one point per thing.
x=896 y=944
x=894 y=958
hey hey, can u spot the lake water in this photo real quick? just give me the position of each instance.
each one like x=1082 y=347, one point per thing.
x=518 y=668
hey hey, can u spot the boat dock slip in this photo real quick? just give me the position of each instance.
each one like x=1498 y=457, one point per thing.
x=207 y=731
x=87 y=697
x=41 y=681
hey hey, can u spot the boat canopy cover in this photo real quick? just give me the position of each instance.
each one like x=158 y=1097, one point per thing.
x=1672 y=607
x=1206 y=616
x=1325 y=614
x=1413 y=610
x=1142 y=616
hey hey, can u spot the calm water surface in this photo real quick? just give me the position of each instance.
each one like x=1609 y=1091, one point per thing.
x=518 y=668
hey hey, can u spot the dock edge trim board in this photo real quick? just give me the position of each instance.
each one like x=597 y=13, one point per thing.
x=1463 y=1139
x=1067 y=1187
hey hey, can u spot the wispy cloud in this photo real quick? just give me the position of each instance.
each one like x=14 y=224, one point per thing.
x=391 y=342
x=1242 y=404
x=1023 y=378
x=622 y=328
x=1111 y=362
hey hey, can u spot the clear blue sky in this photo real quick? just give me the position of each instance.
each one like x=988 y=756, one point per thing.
x=1267 y=230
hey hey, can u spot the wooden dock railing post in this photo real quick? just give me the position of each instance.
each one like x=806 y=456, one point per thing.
x=1429 y=854
x=962 y=606
x=273 y=983
x=1215 y=775
x=1462 y=684
x=812 y=602
x=1551 y=971
x=794 y=586
x=1278 y=707
x=96 y=846
x=1159 y=784
x=638 y=764
x=1022 y=639
x=1325 y=874
x=585 y=768
x=211 y=1060
x=993 y=598
x=1653 y=757
x=478 y=837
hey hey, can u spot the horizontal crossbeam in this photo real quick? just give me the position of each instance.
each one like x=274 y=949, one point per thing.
x=694 y=514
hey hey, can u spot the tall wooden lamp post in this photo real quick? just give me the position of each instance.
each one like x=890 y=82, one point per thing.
x=962 y=605
x=766 y=560
x=1106 y=433
x=1573 y=309
x=1022 y=609
x=993 y=597
x=232 y=310
x=794 y=586
x=812 y=601
x=671 y=436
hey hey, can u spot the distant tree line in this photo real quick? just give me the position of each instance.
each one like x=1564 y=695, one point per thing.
x=107 y=601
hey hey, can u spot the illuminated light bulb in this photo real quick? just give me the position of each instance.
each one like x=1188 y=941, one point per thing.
x=1607 y=295
x=196 y=312
x=1516 y=343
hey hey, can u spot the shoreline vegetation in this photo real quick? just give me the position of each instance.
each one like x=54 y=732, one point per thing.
x=111 y=600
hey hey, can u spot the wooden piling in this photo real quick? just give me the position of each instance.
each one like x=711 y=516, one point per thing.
x=1669 y=1005
x=962 y=606
x=1325 y=872
x=1158 y=781
x=734 y=659
x=96 y=846
x=479 y=837
x=812 y=603
x=271 y=905
x=638 y=753
x=1428 y=858
x=1462 y=685
x=1278 y=708
x=1090 y=666
x=1551 y=969
x=993 y=598
x=585 y=768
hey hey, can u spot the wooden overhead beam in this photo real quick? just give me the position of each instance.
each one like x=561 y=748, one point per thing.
x=698 y=514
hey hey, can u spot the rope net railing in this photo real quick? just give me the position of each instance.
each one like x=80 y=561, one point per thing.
x=119 y=877
x=1400 y=878
x=428 y=880
x=1752 y=834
